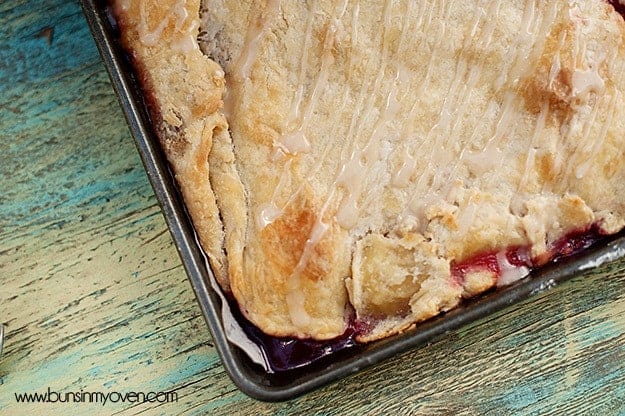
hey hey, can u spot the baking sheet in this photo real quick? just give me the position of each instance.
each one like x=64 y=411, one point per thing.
x=243 y=361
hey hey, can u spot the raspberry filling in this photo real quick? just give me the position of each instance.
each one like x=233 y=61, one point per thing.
x=514 y=263
x=507 y=266
x=575 y=242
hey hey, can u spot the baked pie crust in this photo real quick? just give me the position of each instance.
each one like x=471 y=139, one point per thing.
x=357 y=155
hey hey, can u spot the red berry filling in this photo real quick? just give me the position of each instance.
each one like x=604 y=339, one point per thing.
x=283 y=354
x=575 y=242
x=497 y=262
x=502 y=262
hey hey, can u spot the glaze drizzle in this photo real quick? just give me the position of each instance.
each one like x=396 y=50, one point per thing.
x=397 y=124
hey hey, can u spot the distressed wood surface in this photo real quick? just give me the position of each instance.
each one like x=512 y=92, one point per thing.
x=94 y=296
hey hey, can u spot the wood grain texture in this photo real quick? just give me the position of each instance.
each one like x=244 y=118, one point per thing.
x=94 y=296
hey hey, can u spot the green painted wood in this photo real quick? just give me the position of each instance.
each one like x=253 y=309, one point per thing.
x=94 y=296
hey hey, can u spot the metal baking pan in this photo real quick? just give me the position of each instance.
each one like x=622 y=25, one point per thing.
x=250 y=377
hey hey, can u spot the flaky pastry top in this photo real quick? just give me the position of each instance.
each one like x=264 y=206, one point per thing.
x=345 y=155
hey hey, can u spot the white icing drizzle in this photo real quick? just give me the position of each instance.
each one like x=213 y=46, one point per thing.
x=540 y=35
x=184 y=40
x=417 y=206
x=435 y=173
x=380 y=113
x=255 y=33
x=556 y=65
x=124 y=5
x=407 y=169
x=352 y=180
x=295 y=141
x=422 y=85
x=352 y=175
x=533 y=38
x=147 y=37
x=582 y=143
x=531 y=150
x=529 y=17
x=430 y=65
x=295 y=299
x=509 y=273
x=295 y=303
x=260 y=23
x=336 y=125
x=506 y=127
x=267 y=214
x=296 y=102
x=586 y=81
x=467 y=216
x=577 y=52
x=551 y=147
x=187 y=42
x=583 y=168
x=521 y=49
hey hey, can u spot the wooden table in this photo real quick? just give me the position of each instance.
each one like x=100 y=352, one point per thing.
x=94 y=296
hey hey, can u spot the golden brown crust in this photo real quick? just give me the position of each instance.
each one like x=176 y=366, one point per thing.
x=184 y=91
x=369 y=146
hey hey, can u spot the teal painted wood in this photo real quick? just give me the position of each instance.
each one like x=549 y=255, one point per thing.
x=95 y=298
